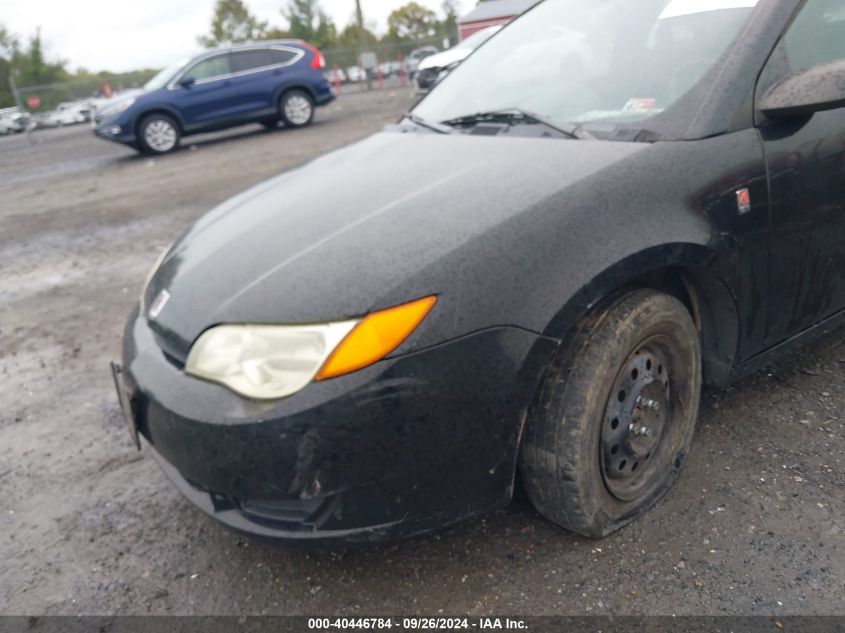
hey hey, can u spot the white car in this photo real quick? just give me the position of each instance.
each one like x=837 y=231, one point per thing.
x=431 y=67
x=65 y=114
x=13 y=120
x=416 y=57
x=336 y=75
x=356 y=74
x=8 y=126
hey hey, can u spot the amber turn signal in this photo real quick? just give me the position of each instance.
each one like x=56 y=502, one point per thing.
x=375 y=336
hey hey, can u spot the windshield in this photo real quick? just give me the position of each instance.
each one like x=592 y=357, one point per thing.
x=599 y=63
x=477 y=39
x=164 y=76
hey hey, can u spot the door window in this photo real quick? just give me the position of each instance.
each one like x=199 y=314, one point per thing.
x=210 y=68
x=260 y=58
x=817 y=35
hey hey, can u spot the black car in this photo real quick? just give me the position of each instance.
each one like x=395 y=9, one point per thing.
x=557 y=263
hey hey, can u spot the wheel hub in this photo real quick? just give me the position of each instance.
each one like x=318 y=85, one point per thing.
x=160 y=135
x=636 y=417
x=297 y=109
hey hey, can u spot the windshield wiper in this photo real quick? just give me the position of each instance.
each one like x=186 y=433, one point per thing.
x=518 y=116
x=435 y=127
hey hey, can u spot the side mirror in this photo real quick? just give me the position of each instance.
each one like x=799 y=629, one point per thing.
x=819 y=88
x=187 y=82
x=443 y=72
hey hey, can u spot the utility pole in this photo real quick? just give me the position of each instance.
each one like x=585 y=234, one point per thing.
x=360 y=18
x=14 y=88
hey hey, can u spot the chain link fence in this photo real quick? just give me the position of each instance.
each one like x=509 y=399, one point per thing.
x=343 y=66
x=385 y=52
x=384 y=65
x=46 y=97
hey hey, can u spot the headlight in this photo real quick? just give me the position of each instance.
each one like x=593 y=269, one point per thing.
x=152 y=272
x=267 y=362
x=264 y=361
x=118 y=107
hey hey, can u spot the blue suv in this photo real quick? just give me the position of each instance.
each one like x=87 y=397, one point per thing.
x=261 y=82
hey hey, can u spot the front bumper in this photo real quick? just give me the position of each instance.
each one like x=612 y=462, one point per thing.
x=404 y=446
x=115 y=128
x=326 y=97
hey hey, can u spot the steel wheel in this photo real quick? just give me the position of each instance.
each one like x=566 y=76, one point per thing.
x=612 y=423
x=638 y=419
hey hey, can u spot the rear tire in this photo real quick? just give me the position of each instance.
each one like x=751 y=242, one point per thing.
x=612 y=422
x=296 y=108
x=158 y=134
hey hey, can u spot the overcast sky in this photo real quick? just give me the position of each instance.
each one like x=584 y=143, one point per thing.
x=120 y=35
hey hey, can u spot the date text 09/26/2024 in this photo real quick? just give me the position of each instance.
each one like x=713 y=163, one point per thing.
x=418 y=623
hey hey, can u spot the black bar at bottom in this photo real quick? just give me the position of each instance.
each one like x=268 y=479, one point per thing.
x=397 y=624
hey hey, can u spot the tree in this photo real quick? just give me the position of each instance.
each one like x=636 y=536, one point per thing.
x=348 y=38
x=8 y=47
x=32 y=69
x=8 y=43
x=448 y=28
x=35 y=60
x=451 y=9
x=412 y=22
x=310 y=23
x=28 y=65
x=275 y=33
x=232 y=22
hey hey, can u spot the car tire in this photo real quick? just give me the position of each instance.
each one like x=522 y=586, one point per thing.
x=158 y=134
x=612 y=421
x=296 y=108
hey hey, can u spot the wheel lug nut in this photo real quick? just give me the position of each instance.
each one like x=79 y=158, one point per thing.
x=648 y=403
x=639 y=429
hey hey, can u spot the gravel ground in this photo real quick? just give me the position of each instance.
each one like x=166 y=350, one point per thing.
x=91 y=526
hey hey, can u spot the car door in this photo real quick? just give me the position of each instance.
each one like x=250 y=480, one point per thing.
x=257 y=73
x=806 y=164
x=207 y=99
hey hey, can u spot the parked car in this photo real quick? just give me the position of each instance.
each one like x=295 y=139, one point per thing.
x=412 y=61
x=262 y=82
x=8 y=126
x=356 y=74
x=554 y=267
x=336 y=75
x=12 y=120
x=388 y=69
x=65 y=114
x=433 y=66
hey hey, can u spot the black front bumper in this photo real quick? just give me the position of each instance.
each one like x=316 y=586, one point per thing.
x=404 y=446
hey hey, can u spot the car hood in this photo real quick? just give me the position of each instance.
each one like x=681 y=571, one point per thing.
x=446 y=58
x=362 y=228
x=107 y=107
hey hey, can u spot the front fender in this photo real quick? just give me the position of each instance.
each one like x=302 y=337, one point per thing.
x=671 y=206
x=160 y=107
